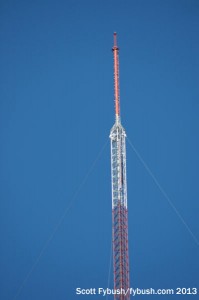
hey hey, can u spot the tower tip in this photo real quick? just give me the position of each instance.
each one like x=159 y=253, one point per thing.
x=115 y=39
x=115 y=50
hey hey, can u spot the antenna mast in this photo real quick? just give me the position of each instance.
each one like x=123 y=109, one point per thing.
x=119 y=194
x=115 y=50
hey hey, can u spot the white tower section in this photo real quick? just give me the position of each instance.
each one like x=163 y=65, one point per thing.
x=118 y=165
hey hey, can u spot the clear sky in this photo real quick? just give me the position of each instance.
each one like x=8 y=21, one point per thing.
x=56 y=112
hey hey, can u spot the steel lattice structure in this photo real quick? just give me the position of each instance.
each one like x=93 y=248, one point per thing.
x=119 y=193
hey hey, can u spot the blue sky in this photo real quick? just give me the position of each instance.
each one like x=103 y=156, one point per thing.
x=56 y=111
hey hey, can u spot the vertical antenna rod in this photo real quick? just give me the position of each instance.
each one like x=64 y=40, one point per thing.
x=115 y=50
x=119 y=195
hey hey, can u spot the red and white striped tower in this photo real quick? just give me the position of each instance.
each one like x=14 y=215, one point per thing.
x=119 y=193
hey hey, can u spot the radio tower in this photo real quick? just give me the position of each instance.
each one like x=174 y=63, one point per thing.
x=119 y=193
